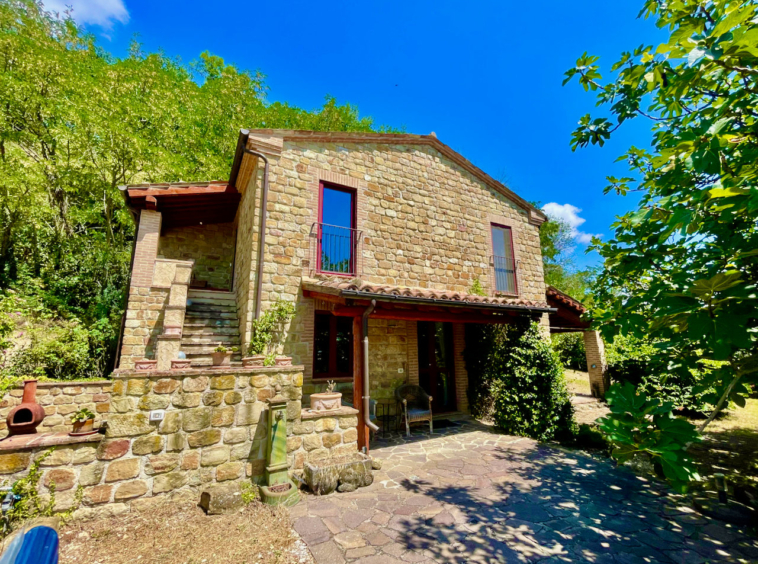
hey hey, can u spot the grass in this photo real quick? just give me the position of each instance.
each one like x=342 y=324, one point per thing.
x=730 y=444
x=578 y=382
x=174 y=533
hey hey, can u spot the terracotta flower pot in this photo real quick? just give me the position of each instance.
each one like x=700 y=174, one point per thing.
x=83 y=428
x=222 y=359
x=181 y=364
x=326 y=401
x=283 y=361
x=253 y=361
x=145 y=364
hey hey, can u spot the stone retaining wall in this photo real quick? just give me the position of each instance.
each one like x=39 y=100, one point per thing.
x=60 y=399
x=214 y=430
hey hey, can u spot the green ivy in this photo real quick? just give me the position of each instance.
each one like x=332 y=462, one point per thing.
x=518 y=381
x=638 y=424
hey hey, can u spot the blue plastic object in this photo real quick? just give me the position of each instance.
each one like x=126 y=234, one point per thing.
x=38 y=546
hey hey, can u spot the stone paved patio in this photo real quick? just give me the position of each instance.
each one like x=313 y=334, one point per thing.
x=470 y=495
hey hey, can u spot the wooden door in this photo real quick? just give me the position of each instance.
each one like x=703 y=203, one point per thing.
x=435 y=364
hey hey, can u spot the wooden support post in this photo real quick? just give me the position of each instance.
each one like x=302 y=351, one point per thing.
x=363 y=430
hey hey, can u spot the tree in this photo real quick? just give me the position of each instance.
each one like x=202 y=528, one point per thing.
x=682 y=268
x=77 y=122
x=556 y=243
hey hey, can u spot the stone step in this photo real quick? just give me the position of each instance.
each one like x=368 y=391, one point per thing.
x=223 y=301
x=233 y=340
x=203 y=293
x=191 y=315
x=210 y=322
x=201 y=330
x=214 y=308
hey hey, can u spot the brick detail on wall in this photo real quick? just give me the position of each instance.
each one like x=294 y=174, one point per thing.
x=210 y=246
x=461 y=376
x=146 y=250
x=596 y=365
x=412 y=338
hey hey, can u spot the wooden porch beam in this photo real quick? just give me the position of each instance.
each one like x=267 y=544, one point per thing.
x=416 y=315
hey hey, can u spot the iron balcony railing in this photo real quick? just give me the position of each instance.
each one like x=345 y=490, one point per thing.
x=335 y=249
x=506 y=274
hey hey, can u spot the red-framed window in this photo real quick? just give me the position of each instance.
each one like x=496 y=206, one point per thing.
x=333 y=346
x=504 y=259
x=337 y=234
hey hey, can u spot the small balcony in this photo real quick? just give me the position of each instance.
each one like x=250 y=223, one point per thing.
x=506 y=273
x=335 y=249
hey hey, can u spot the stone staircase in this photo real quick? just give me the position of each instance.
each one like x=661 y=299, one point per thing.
x=210 y=319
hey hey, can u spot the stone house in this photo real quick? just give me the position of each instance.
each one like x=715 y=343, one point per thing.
x=396 y=229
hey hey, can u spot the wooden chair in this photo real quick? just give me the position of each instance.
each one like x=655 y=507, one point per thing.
x=417 y=406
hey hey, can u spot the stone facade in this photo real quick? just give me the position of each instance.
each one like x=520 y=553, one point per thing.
x=60 y=400
x=424 y=215
x=425 y=222
x=596 y=365
x=214 y=430
x=210 y=247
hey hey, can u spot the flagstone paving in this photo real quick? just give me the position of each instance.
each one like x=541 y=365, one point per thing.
x=470 y=495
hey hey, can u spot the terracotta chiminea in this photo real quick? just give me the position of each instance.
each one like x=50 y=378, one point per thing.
x=24 y=418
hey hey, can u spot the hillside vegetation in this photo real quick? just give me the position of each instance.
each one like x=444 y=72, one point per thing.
x=75 y=123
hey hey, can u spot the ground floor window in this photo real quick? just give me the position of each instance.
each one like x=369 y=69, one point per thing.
x=333 y=346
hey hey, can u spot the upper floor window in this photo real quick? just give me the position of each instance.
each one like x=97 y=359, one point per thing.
x=337 y=237
x=503 y=259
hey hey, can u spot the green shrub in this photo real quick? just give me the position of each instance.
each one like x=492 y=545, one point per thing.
x=268 y=328
x=570 y=349
x=638 y=362
x=518 y=381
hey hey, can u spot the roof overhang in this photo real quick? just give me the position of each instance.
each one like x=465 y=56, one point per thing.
x=185 y=203
x=351 y=299
x=567 y=315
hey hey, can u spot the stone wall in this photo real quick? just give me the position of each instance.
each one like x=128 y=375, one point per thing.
x=214 y=430
x=211 y=247
x=425 y=222
x=61 y=399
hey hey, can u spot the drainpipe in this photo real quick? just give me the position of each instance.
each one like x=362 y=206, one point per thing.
x=262 y=235
x=366 y=391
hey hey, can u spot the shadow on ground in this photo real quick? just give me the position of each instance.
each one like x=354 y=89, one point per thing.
x=471 y=495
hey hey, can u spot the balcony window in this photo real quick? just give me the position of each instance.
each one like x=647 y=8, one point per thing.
x=333 y=346
x=337 y=238
x=504 y=260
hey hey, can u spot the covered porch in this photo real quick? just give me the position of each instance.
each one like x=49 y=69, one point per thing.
x=415 y=336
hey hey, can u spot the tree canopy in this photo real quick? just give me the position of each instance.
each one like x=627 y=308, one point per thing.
x=76 y=122
x=682 y=268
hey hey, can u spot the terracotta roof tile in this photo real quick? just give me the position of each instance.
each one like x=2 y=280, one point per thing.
x=555 y=294
x=336 y=286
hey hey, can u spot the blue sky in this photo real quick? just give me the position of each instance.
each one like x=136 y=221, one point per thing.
x=484 y=76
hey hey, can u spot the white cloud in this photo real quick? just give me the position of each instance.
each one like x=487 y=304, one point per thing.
x=570 y=215
x=97 y=12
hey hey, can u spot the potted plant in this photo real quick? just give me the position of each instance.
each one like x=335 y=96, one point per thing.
x=328 y=400
x=222 y=356
x=267 y=331
x=83 y=421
